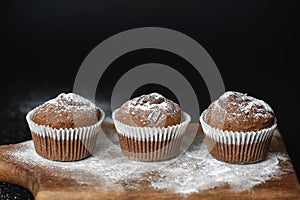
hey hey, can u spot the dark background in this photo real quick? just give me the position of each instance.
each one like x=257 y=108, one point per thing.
x=254 y=44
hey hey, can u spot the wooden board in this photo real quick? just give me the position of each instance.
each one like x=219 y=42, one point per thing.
x=48 y=183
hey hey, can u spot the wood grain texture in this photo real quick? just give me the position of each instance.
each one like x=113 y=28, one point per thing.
x=51 y=184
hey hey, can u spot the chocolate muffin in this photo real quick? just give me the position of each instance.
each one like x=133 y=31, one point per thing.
x=238 y=128
x=67 y=111
x=152 y=110
x=150 y=127
x=65 y=128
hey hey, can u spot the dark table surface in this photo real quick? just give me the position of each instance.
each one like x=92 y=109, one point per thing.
x=15 y=130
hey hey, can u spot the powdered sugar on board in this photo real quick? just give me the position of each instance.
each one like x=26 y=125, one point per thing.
x=193 y=171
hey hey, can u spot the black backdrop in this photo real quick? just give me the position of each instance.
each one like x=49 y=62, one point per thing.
x=254 y=45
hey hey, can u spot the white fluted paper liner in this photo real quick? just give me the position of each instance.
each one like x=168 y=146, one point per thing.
x=235 y=138
x=152 y=133
x=151 y=143
x=86 y=135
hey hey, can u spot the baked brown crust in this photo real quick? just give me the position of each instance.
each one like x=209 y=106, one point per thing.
x=67 y=111
x=238 y=112
x=151 y=110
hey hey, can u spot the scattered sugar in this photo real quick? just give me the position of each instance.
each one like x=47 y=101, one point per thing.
x=252 y=101
x=245 y=103
x=70 y=97
x=193 y=171
x=138 y=102
x=68 y=102
x=148 y=106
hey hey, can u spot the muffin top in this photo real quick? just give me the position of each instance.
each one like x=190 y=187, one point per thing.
x=235 y=111
x=67 y=111
x=151 y=110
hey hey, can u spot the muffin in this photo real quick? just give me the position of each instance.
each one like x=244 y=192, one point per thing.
x=65 y=128
x=238 y=128
x=150 y=127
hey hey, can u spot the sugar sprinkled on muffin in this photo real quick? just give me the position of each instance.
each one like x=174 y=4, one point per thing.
x=150 y=127
x=65 y=128
x=236 y=111
x=238 y=128
x=151 y=110
x=67 y=111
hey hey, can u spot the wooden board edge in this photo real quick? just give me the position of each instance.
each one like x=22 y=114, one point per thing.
x=208 y=195
x=11 y=173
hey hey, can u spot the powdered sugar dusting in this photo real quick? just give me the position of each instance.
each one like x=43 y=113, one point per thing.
x=251 y=101
x=193 y=171
x=70 y=99
x=144 y=103
x=68 y=102
x=244 y=104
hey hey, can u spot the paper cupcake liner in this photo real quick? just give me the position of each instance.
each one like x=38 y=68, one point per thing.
x=64 y=144
x=150 y=143
x=237 y=147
